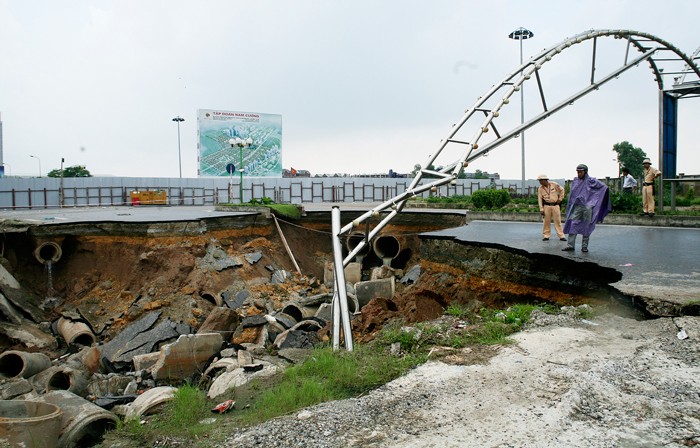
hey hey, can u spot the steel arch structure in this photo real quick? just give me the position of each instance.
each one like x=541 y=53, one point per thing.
x=674 y=72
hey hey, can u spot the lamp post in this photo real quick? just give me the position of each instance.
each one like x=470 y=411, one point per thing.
x=522 y=34
x=179 y=156
x=241 y=143
x=60 y=199
x=39 y=163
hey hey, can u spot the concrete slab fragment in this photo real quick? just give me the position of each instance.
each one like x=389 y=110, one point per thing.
x=372 y=289
x=145 y=361
x=146 y=342
x=222 y=320
x=130 y=332
x=186 y=356
x=237 y=378
x=29 y=335
x=412 y=275
x=9 y=311
x=253 y=258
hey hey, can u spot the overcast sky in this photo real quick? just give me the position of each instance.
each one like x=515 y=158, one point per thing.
x=363 y=86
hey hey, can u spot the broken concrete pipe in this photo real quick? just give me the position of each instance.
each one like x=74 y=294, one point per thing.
x=150 y=401
x=214 y=299
x=75 y=332
x=48 y=252
x=60 y=378
x=387 y=247
x=29 y=424
x=14 y=363
x=298 y=311
x=353 y=240
x=82 y=423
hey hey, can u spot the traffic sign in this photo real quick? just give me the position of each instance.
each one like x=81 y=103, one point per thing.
x=230 y=168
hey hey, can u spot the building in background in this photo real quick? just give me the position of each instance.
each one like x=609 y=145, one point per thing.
x=263 y=158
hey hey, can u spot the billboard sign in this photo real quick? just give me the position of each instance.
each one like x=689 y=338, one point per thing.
x=262 y=158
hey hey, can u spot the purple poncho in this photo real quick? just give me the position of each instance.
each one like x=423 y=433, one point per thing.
x=589 y=202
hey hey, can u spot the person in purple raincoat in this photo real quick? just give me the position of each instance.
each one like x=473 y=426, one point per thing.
x=589 y=203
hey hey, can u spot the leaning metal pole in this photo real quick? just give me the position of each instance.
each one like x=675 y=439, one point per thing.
x=340 y=297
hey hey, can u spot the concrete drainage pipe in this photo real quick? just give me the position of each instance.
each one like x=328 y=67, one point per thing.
x=18 y=364
x=353 y=240
x=29 y=423
x=60 y=378
x=48 y=252
x=84 y=423
x=387 y=247
x=75 y=332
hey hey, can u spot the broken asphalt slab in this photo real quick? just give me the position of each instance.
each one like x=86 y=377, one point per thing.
x=657 y=264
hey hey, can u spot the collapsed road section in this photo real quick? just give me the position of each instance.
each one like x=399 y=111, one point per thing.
x=95 y=312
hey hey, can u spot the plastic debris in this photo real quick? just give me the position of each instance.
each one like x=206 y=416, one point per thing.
x=223 y=407
x=682 y=334
x=627 y=264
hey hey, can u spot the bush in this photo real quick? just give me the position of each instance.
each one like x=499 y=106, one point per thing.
x=490 y=198
x=457 y=199
x=622 y=202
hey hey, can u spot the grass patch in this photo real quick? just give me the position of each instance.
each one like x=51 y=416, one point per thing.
x=180 y=418
x=288 y=211
x=326 y=376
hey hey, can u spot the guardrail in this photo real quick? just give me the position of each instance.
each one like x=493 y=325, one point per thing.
x=100 y=192
x=33 y=193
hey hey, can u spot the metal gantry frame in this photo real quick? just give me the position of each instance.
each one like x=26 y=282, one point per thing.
x=659 y=54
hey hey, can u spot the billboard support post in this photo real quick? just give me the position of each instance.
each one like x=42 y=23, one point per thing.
x=241 y=143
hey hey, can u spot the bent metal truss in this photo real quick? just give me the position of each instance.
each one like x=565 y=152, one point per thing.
x=676 y=75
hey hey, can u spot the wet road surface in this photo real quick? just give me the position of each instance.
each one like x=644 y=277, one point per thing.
x=655 y=262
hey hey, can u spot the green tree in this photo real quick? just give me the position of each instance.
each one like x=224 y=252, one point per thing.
x=478 y=174
x=71 y=171
x=630 y=157
x=416 y=168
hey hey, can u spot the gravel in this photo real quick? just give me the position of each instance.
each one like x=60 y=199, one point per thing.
x=606 y=382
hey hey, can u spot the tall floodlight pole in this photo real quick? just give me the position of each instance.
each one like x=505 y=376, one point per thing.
x=241 y=143
x=39 y=163
x=179 y=156
x=60 y=193
x=521 y=34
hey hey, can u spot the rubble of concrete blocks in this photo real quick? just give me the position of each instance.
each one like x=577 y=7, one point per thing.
x=135 y=371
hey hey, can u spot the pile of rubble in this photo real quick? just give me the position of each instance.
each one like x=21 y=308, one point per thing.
x=96 y=377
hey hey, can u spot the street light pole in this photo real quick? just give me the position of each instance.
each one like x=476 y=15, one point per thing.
x=179 y=156
x=521 y=34
x=60 y=199
x=39 y=163
x=241 y=143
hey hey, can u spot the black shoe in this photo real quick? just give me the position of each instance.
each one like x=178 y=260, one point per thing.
x=651 y=215
x=545 y=239
x=584 y=249
x=644 y=214
x=568 y=249
x=562 y=239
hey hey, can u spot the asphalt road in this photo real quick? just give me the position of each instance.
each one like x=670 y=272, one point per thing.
x=142 y=213
x=656 y=262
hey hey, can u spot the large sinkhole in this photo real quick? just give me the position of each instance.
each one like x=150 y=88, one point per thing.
x=110 y=274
